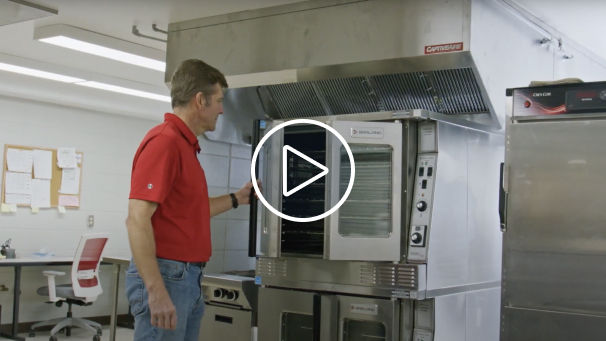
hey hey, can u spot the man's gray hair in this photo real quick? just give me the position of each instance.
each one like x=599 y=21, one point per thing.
x=191 y=77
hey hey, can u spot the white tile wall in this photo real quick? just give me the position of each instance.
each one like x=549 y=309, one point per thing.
x=238 y=260
x=240 y=151
x=239 y=172
x=218 y=232
x=237 y=230
x=216 y=169
x=227 y=169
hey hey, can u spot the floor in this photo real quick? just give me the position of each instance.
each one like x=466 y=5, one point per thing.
x=122 y=334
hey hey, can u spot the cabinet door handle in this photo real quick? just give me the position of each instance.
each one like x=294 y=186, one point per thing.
x=317 y=311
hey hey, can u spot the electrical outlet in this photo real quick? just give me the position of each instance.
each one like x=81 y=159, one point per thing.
x=91 y=221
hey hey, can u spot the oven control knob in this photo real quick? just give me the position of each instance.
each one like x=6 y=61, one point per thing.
x=421 y=206
x=603 y=95
x=230 y=295
x=416 y=238
x=217 y=293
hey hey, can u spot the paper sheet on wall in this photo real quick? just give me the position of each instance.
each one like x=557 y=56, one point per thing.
x=41 y=193
x=69 y=200
x=17 y=199
x=66 y=157
x=18 y=183
x=18 y=160
x=70 y=181
x=43 y=164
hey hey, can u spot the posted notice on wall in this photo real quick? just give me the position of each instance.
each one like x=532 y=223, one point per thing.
x=43 y=164
x=66 y=158
x=41 y=193
x=70 y=181
x=18 y=160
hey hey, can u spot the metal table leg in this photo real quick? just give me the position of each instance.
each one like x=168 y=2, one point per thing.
x=16 y=296
x=114 y=314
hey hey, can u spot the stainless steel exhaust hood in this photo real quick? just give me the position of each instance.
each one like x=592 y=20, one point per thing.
x=331 y=57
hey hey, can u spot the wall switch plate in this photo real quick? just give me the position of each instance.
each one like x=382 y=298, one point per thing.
x=91 y=221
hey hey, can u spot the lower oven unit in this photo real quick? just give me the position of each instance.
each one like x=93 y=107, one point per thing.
x=296 y=315
x=291 y=315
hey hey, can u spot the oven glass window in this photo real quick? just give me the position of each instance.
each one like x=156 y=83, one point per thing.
x=306 y=239
x=297 y=327
x=367 y=210
x=355 y=330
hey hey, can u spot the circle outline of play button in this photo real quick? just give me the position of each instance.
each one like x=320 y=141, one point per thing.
x=332 y=209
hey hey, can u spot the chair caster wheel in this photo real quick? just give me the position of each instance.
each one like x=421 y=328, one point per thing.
x=32 y=334
x=96 y=338
x=52 y=338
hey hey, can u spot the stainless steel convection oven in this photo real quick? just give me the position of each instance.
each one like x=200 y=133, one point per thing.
x=414 y=251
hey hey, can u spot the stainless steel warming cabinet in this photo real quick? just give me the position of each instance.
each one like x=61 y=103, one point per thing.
x=554 y=195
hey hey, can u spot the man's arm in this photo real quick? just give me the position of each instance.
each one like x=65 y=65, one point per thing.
x=143 y=247
x=222 y=203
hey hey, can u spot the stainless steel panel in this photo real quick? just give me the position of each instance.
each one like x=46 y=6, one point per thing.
x=326 y=32
x=220 y=323
x=380 y=246
x=485 y=153
x=555 y=244
x=541 y=325
x=464 y=236
x=467 y=316
x=270 y=164
x=231 y=290
x=383 y=279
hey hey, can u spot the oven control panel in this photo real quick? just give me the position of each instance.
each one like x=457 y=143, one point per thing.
x=229 y=290
x=222 y=295
x=420 y=218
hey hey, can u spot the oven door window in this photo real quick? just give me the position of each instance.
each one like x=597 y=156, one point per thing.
x=367 y=212
x=296 y=327
x=356 y=330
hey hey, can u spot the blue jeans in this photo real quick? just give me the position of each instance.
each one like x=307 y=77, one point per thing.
x=183 y=282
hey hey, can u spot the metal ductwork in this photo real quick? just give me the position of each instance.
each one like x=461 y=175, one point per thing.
x=332 y=57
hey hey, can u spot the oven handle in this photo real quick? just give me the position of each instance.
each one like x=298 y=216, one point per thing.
x=502 y=200
x=252 y=216
x=317 y=316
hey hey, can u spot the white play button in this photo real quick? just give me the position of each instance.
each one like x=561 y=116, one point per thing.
x=285 y=150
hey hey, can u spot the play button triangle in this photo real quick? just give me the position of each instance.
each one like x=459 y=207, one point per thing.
x=285 y=189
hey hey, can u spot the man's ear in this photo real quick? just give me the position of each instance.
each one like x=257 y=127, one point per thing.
x=200 y=99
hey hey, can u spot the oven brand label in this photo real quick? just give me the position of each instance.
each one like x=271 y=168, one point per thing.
x=367 y=133
x=431 y=49
x=541 y=94
x=366 y=309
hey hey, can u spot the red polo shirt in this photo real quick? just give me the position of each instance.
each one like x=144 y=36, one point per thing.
x=166 y=171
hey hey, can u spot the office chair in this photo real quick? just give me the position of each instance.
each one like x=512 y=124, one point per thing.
x=83 y=290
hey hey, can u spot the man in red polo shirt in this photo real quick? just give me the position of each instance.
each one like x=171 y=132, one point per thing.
x=169 y=210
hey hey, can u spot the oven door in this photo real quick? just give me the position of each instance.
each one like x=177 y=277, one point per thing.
x=269 y=171
x=291 y=315
x=368 y=224
x=362 y=319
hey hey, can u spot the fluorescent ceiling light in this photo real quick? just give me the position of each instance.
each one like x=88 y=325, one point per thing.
x=127 y=91
x=106 y=52
x=101 y=45
x=79 y=81
x=40 y=74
